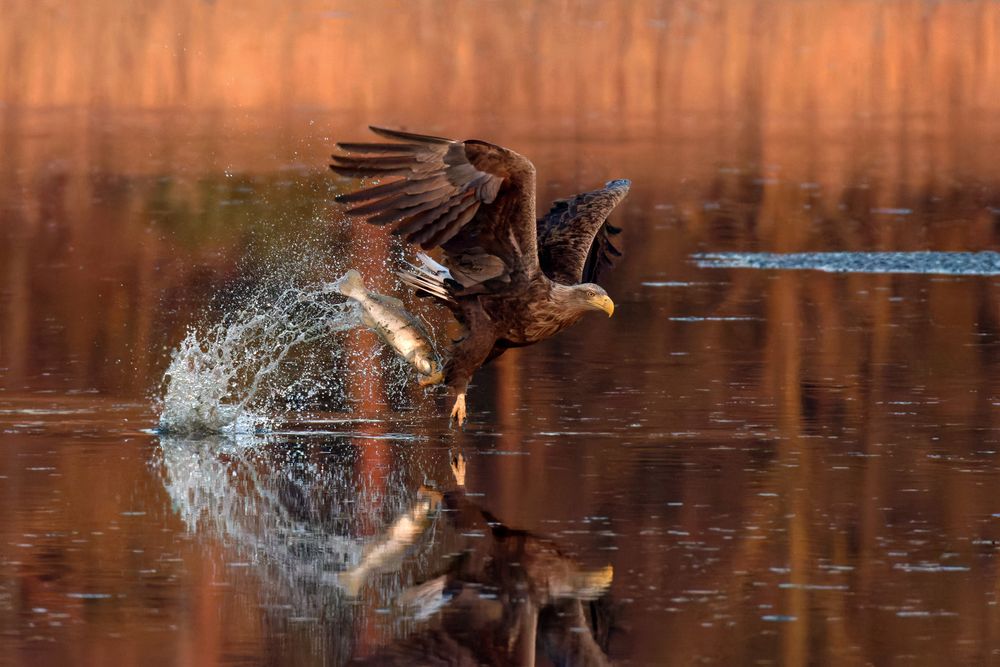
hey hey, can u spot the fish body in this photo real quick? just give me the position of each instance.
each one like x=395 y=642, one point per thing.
x=388 y=318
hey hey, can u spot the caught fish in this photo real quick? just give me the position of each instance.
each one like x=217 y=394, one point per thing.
x=388 y=318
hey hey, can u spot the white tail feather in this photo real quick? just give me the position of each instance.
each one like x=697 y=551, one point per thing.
x=429 y=277
x=422 y=282
x=430 y=265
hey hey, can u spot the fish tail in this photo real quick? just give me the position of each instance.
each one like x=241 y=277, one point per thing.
x=416 y=359
x=352 y=285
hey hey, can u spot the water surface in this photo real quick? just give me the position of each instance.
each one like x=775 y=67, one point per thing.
x=741 y=466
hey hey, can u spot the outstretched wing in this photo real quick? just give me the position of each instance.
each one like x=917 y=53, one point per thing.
x=474 y=199
x=575 y=238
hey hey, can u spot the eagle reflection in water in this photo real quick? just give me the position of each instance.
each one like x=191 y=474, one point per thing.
x=507 y=595
x=464 y=588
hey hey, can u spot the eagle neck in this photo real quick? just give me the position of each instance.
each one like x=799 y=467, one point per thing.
x=569 y=303
x=551 y=311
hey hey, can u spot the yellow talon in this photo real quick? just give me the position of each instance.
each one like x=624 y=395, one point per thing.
x=458 y=411
x=458 y=469
x=429 y=380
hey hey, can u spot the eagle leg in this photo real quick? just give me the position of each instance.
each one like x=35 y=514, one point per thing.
x=468 y=354
x=458 y=410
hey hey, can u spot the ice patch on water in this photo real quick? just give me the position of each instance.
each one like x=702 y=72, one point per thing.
x=947 y=263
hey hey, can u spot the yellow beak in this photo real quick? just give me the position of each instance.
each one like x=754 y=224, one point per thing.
x=604 y=303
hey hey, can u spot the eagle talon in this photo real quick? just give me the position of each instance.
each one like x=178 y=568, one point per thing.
x=458 y=411
x=432 y=379
x=458 y=468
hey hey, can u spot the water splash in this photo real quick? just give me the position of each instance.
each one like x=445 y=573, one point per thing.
x=236 y=374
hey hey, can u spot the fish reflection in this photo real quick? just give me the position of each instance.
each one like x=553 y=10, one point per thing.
x=387 y=553
x=388 y=570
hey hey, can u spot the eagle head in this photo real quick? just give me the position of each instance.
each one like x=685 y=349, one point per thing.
x=593 y=297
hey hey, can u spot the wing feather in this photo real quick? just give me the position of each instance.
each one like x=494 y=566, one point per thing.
x=467 y=197
x=424 y=216
x=432 y=233
x=453 y=227
x=409 y=136
x=392 y=187
x=368 y=172
x=394 y=148
x=575 y=239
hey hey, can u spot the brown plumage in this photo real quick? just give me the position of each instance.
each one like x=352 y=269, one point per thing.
x=575 y=238
x=510 y=279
